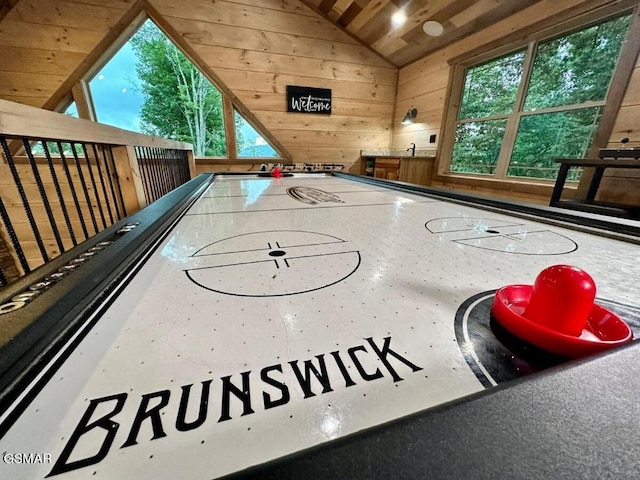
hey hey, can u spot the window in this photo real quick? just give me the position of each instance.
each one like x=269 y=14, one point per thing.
x=72 y=110
x=519 y=112
x=250 y=143
x=115 y=91
x=150 y=87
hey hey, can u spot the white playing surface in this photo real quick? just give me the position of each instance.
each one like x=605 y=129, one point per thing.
x=250 y=278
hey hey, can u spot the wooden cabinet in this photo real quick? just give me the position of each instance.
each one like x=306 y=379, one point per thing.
x=387 y=168
x=415 y=170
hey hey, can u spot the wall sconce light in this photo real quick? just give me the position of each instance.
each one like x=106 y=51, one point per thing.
x=410 y=116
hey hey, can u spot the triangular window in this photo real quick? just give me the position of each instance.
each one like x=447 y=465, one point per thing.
x=149 y=86
x=72 y=110
x=249 y=142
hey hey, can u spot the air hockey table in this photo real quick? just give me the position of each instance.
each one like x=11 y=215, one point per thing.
x=315 y=326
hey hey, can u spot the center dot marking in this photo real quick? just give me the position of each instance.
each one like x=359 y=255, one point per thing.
x=277 y=253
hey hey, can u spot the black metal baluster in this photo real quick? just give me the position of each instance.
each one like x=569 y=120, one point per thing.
x=84 y=185
x=173 y=163
x=43 y=194
x=163 y=171
x=73 y=189
x=186 y=167
x=147 y=169
x=186 y=174
x=56 y=184
x=13 y=238
x=110 y=176
x=175 y=168
x=155 y=183
x=145 y=159
x=144 y=165
x=166 y=169
x=104 y=188
x=156 y=168
x=143 y=172
x=95 y=187
x=117 y=179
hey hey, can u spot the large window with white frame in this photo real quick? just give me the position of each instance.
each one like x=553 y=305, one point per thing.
x=519 y=112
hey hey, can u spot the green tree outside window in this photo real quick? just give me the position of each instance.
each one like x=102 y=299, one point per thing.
x=562 y=97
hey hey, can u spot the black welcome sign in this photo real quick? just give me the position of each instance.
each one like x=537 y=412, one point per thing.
x=308 y=100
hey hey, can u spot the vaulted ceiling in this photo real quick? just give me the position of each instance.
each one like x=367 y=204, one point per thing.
x=370 y=22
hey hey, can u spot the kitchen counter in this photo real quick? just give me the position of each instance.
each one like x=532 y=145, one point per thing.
x=399 y=165
x=395 y=153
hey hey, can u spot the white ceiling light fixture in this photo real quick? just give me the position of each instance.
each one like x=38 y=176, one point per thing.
x=398 y=19
x=433 y=29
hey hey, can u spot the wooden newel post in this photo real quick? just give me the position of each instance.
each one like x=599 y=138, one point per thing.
x=129 y=177
x=192 y=164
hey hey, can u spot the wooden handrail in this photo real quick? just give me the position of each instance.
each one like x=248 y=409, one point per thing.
x=600 y=162
x=25 y=121
x=84 y=177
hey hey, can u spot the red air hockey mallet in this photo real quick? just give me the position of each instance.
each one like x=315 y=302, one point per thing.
x=557 y=314
x=276 y=173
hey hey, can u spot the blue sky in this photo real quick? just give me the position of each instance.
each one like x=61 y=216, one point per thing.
x=115 y=92
x=117 y=98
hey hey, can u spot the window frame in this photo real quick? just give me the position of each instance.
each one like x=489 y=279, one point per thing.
x=80 y=93
x=459 y=68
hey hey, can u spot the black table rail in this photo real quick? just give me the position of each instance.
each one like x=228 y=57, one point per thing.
x=625 y=160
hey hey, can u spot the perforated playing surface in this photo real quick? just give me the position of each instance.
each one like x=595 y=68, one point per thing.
x=280 y=313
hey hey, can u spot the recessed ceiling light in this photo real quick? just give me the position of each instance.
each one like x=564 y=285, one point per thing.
x=398 y=19
x=433 y=29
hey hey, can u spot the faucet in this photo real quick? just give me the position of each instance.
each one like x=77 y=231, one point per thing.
x=413 y=149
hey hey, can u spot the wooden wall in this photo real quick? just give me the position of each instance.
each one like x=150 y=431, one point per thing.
x=257 y=48
x=253 y=47
x=623 y=186
x=48 y=45
x=425 y=84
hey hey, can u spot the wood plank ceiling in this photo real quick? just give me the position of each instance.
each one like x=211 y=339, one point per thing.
x=370 y=22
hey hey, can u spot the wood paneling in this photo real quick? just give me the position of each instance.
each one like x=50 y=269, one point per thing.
x=425 y=84
x=319 y=70
x=370 y=22
x=269 y=17
x=31 y=60
x=45 y=43
x=98 y=17
x=274 y=102
x=255 y=82
x=623 y=186
x=256 y=50
x=17 y=83
x=232 y=36
x=251 y=46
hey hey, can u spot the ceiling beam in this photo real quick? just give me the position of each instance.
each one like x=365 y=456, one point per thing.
x=6 y=6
